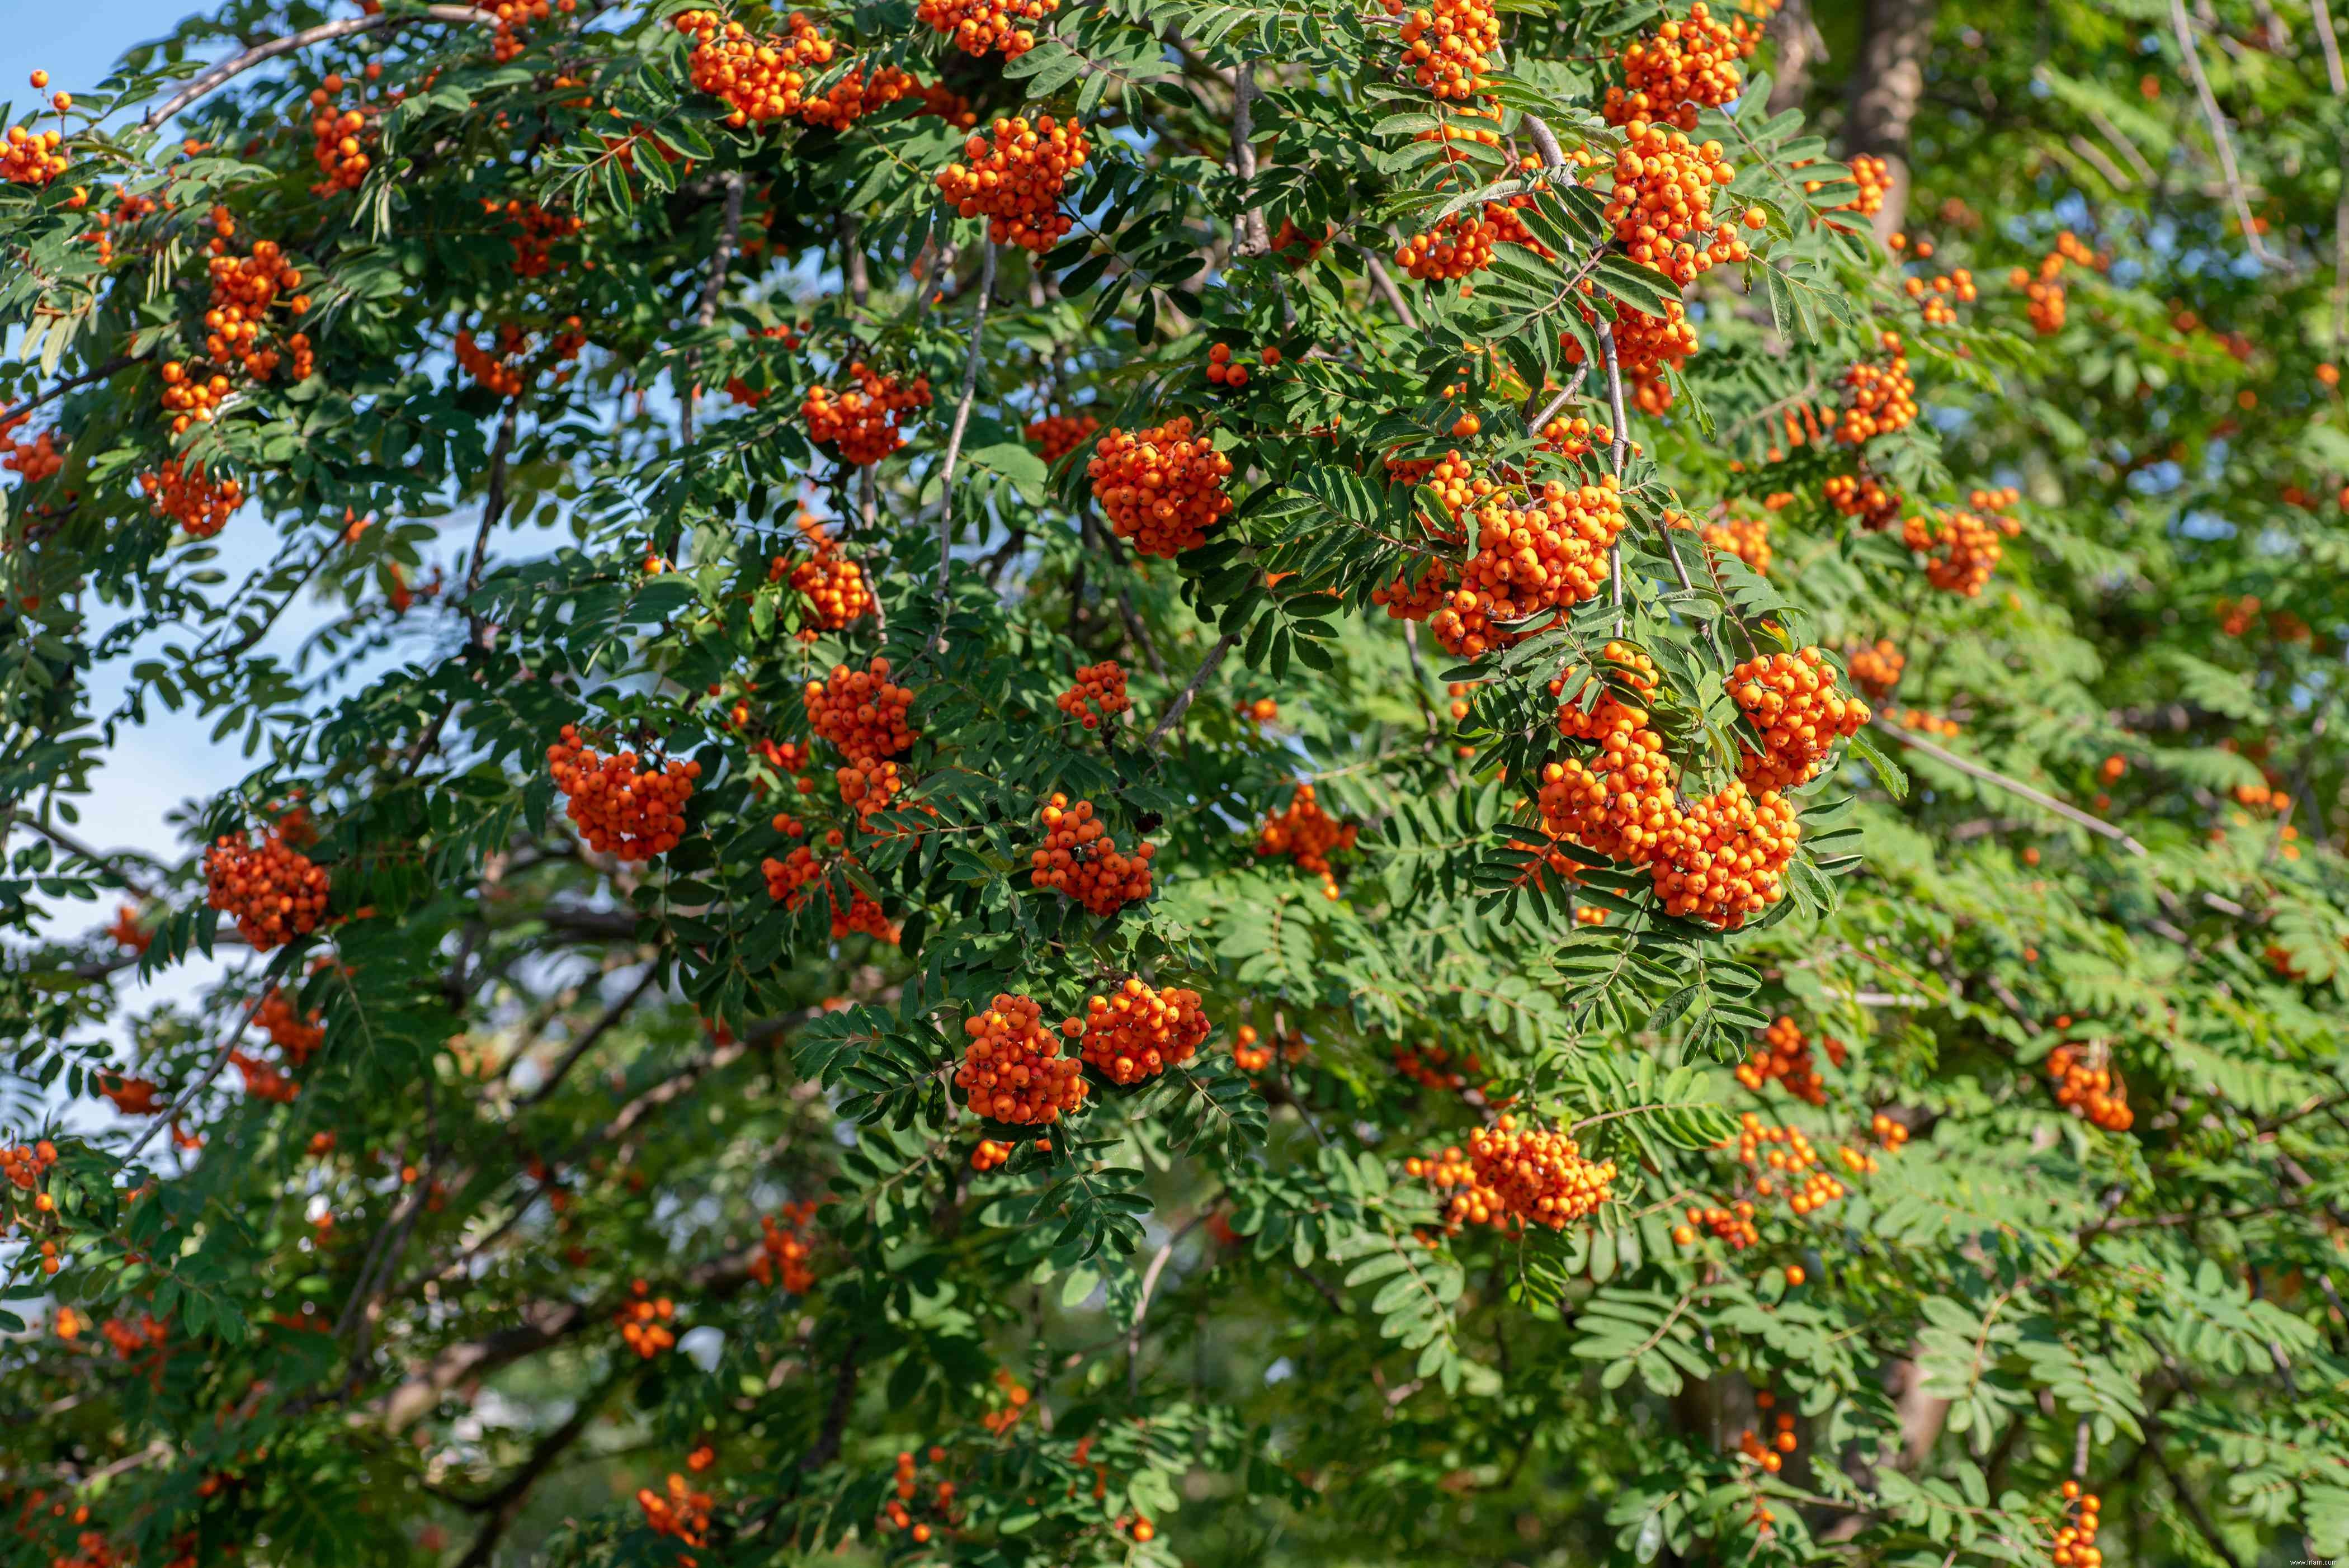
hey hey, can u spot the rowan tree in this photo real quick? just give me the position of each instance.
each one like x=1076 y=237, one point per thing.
x=1192 y=783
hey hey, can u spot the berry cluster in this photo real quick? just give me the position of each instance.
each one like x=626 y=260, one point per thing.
x=644 y=1321
x=1449 y=45
x=126 y=932
x=1771 y=1454
x=981 y=26
x=261 y=1079
x=133 y=1097
x=1251 y=1053
x=36 y=458
x=338 y=139
x=2086 y=1086
x=1934 y=297
x=1433 y=1067
x=1965 y=544
x=1464 y=243
x=1138 y=1032
x=1877 y=398
x=1525 y=1177
x=861 y=712
x=1223 y=372
x=1930 y=723
x=1016 y=182
x=2074 y=1543
x=1661 y=206
x=1738 y=533
x=620 y=811
x=788 y=881
x=289 y=1031
x=1733 y=1224
x=244 y=289
x=271 y=890
x=784 y=1248
x=1875 y=669
x=497 y=371
x=863 y=423
x=683 y=1513
x=25 y=1164
x=758 y=79
x=1098 y=695
x=1161 y=487
x=1863 y=496
x=181 y=492
x=1012 y=1069
x=1645 y=347
x=32 y=157
x=1683 y=66
x=991 y=1152
x=1792 y=700
x=1547 y=554
x=833 y=585
x=1784 y=1055
x=1057 y=434
x=1791 y=1160
x=1874 y=178
x=1079 y=859
x=538 y=232
x=897 y=1514
x=1306 y=835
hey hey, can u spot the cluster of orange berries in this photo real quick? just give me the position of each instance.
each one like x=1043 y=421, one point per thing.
x=1938 y=298
x=1513 y=1176
x=788 y=881
x=1772 y=1453
x=644 y=1321
x=1012 y=1069
x=1878 y=398
x=1916 y=719
x=2074 y=1543
x=991 y=1152
x=1223 y=372
x=1683 y=66
x=1875 y=667
x=862 y=712
x=1449 y=45
x=1433 y=1066
x=1965 y=543
x=1784 y=1055
x=1645 y=347
x=762 y=79
x=897 y=1514
x=1790 y=1158
x=181 y=492
x=1548 y=555
x=833 y=585
x=1792 y=700
x=539 y=232
x=1098 y=695
x=36 y=458
x=1306 y=835
x=288 y=1030
x=620 y=811
x=1733 y=1224
x=130 y=1339
x=1742 y=534
x=25 y=1164
x=338 y=137
x=1138 y=1032
x=1874 y=178
x=2043 y=294
x=32 y=157
x=1661 y=206
x=784 y=1248
x=132 y=1097
x=1464 y=243
x=682 y=1512
x=981 y=26
x=863 y=423
x=1016 y=1399
x=1057 y=434
x=1251 y=1053
x=1161 y=487
x=1016 y=182
x=1863 y=496
x=497 y=370
x=1080 y=859
x=2086 y=1086
x=244 y=291
x=271 y=890
x=262 y=1080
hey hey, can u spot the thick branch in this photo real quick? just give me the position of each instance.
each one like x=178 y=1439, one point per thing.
x=505 y=1504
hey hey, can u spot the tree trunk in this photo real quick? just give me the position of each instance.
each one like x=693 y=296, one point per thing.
x=1887 y=82
x=1799 y=48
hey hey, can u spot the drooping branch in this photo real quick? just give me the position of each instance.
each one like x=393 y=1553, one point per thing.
x=211 y=81
x=71 y=383
x=2184 y=27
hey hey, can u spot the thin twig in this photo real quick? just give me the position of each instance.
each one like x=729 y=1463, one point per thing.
x=219 y=76
x=1258 y=241
x=593 y=1033
x=504 y=1505
x=1182 y=699
x=721 y=256
x=2015 y=786
x=179 y=1106
x=1616 y=453
x=1382 y=281
x=955 y=434
x=2184 y=31
x=67 y=385
x=1566 y=393
x=72 y=845
x=1141 y=1305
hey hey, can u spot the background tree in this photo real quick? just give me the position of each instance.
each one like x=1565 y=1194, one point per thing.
x=1118 y=783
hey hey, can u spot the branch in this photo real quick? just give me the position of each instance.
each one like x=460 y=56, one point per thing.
x=235 y=66
x=74 y=846
x=1182 y=699
x=119 y=363
x=826 y=1446
x=2016 y=787
x=954 y=436
x=2192 y=1504
x=505 y=1504
x=721 y=256
x=2184 y=31
x=1381 y=280
x=1260 y=240
x=179 y=1106
x=1141 y=1305
x=595 y=1032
